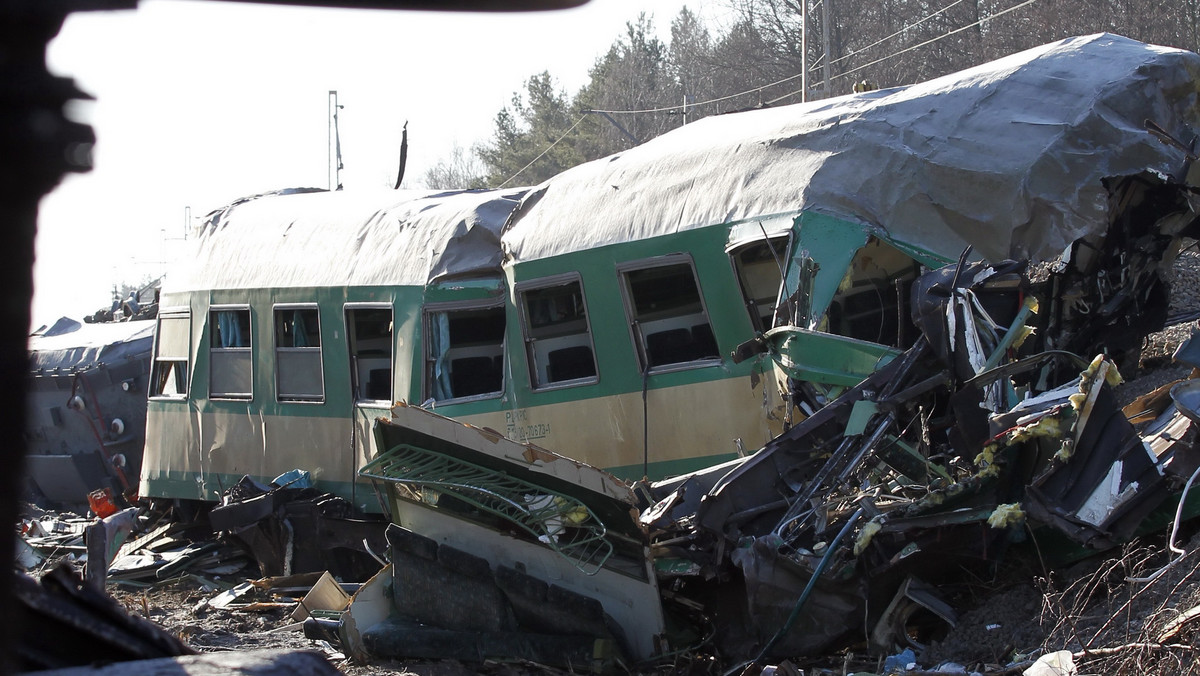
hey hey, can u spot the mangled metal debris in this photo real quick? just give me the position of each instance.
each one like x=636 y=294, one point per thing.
x=953 y=455
x=289 y=527
x=507 y=549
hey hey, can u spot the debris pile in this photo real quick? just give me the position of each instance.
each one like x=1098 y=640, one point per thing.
x=935 y=469
x=855 y=529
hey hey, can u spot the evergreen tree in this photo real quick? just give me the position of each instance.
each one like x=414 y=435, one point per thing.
x=529 y=128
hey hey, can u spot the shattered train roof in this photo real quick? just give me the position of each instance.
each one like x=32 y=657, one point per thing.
x=81 y=346
x=1007 y=156
x=348 y=238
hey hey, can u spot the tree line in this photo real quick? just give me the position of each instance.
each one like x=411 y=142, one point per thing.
x=764 y=58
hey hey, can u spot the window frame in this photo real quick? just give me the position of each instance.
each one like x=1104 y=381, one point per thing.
x=427 y=389
x=731 y=252
x=520 y=290
x=247 y=350
x=184 y=313
x=357 y=387
x=319 y=349
x=637 y=337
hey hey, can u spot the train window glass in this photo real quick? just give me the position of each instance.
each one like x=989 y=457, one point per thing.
x=369 y=330
x=231 y=365
x=298 y=374
x=670 y=325
x=464 y=354
x=169 y=375
x=557 y=335
x=758 y=272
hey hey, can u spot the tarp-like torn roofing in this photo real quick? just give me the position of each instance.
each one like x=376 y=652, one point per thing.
x=1007 y=156
x=347 y=238
x=91 y=344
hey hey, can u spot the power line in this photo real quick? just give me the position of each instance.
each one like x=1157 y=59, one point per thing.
x=701 y=103
x=838 y=60
x=556 y=141
x=902 y=30
x=792 y=77
x=916 y=46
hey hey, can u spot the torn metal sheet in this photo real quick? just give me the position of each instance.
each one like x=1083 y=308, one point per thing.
x=299 y=530
x=934 y=465
x=518 y=508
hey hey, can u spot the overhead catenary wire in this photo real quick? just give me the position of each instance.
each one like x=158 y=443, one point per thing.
x=916 y=46
x=543 y=153
x=880 y=41
x=790 y=78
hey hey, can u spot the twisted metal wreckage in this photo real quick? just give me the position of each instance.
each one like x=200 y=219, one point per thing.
x=992 y=426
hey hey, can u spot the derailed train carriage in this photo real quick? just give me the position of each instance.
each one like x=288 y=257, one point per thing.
x=598 y=314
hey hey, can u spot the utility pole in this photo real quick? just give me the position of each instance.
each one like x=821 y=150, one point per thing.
x=803 y=51
x=825 y=44
x=335 y=144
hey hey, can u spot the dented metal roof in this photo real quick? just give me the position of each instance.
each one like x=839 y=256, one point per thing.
x=1007 y=156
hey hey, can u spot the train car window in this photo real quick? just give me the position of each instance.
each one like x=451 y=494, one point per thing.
x=557 y=335
x=169 y=376
x=464 y=354
x=231 y=365
x=298 y=372
x=871 y=304
x=369 y=330
x=670 y=325
x=759 y=274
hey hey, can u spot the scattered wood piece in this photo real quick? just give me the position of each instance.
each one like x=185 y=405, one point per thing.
x=135 y=545
x=228 y=596
x=298 y=580
x=1170 y=631
x=326 y=594
x=1116 y=650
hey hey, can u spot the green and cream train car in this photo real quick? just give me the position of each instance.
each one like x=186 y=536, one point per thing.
x=303 y=317
x=595 y=314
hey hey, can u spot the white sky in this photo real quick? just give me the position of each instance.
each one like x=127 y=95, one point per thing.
x=199 y=103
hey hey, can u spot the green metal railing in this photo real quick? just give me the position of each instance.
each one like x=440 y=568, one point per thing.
x=561 y=522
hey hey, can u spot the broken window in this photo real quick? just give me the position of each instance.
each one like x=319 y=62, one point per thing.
x=758 y=266
x=557 y=335
x=670 y=325
x=298 y=374
x=170 y=370
x=871 y=303
x=230 y=362
x=369 y=331
x=464 y=355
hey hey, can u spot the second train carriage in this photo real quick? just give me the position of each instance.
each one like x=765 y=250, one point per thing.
x=596 y=314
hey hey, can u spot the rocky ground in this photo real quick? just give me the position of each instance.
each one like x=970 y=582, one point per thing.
x=1113 y=626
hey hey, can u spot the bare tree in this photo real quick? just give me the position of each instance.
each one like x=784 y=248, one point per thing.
x=461 y=170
